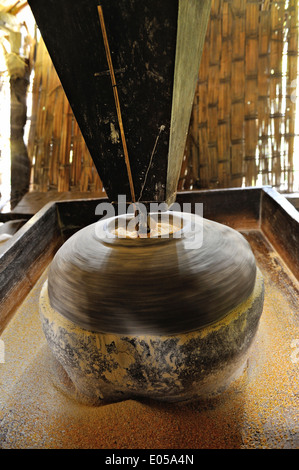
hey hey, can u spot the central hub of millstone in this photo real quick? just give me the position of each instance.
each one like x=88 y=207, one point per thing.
x=170 y=316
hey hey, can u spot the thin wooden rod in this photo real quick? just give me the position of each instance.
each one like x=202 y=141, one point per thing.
x=117 y=103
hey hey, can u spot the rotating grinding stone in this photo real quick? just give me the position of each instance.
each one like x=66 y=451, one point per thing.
x=163 y=285
x=171 y=317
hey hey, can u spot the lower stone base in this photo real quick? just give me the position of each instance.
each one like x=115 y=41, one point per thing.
x=95 y=367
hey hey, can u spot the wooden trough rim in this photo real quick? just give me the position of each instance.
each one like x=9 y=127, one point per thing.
x=23 y=258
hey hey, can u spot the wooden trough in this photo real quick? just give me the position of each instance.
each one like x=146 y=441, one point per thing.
x=257 y=411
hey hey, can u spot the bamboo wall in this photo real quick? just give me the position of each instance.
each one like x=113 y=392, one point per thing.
x=59 y=156
x=242 y=126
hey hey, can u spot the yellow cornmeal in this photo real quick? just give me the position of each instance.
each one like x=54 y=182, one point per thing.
x=158 y=229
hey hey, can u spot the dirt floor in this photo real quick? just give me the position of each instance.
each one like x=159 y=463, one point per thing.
x=260 y=410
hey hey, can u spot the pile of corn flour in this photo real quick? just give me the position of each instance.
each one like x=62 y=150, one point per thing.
x=157 y=229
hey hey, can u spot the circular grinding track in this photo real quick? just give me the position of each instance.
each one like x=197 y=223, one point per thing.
x=163 y=285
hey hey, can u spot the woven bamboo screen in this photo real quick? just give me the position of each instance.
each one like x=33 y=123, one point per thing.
x=59 y=155
x=242 y=129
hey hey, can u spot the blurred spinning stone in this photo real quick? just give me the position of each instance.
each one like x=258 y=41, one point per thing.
x=170 y=316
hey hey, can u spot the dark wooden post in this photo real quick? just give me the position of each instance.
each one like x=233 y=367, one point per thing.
x=20 y=164
x=19 y=72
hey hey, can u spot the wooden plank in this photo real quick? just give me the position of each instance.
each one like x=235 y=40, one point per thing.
x=237 y=207
x=280 y=224
x=192 y=25
x=33 y=201
x=24 y=257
